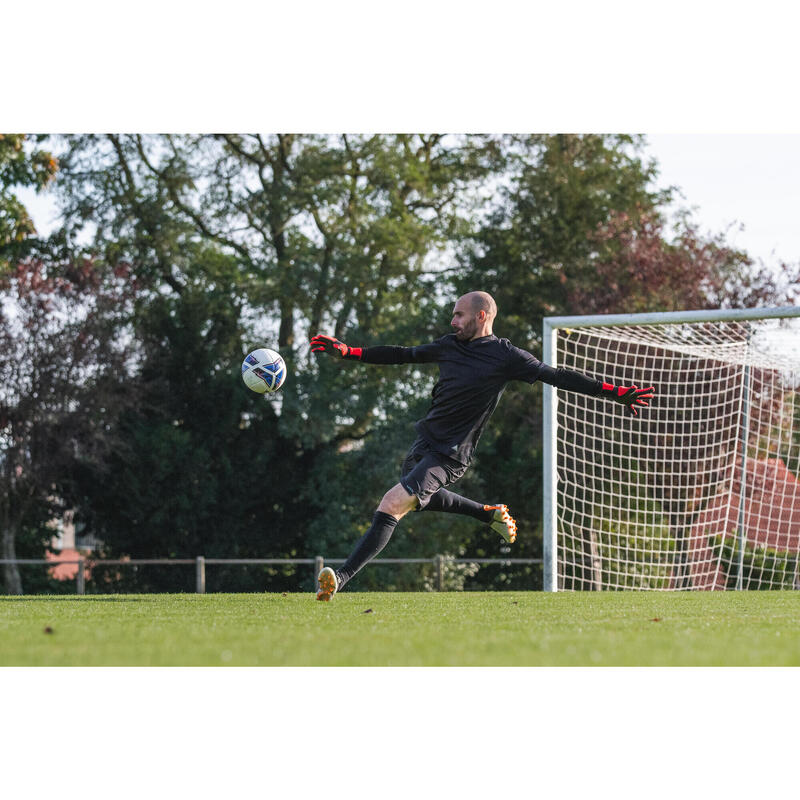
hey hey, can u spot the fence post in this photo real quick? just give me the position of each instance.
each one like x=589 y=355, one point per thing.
x=319 y=563
x=200 y=575
x=80 y=578
x=439 y=572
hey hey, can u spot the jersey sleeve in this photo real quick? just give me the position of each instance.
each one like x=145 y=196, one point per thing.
x=526 y=367
x=570 y=380
x=523 y=366
x=393 y=354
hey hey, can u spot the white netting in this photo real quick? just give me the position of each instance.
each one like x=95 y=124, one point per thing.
x=656 y=501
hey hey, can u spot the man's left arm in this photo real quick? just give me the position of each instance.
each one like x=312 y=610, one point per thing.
x=629 y=396
x=528 y=368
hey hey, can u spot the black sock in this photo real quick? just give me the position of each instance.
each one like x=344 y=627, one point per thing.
x=369 y=545
x=453 y=503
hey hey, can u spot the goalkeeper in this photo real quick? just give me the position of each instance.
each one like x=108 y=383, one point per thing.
x=474 y=367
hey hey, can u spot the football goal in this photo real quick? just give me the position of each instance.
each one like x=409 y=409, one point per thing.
x=701 y=489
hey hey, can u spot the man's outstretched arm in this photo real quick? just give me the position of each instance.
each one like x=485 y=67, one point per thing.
x=629 y=396
x=379 y=354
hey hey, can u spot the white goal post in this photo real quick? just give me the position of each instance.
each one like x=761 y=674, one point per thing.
x=701 y=489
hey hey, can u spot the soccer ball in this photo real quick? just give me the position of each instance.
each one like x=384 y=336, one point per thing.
x=263 y=370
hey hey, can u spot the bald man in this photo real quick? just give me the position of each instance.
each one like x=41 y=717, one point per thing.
x=474 y=368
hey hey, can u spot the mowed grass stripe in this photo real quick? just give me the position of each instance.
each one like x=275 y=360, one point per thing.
x=404 y=629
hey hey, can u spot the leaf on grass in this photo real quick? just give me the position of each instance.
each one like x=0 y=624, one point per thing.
x=48 y=629
x=368 y=611
x=656 y=619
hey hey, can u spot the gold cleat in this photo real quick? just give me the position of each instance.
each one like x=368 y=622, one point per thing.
x=327 y=584
x=503 y=522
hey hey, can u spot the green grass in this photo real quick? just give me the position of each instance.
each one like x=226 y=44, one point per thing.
x=404 y=629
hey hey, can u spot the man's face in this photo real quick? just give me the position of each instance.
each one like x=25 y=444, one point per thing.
x=465 y=321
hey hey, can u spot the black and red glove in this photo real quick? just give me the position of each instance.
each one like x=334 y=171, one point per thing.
x=629 y=396
x=328 y=344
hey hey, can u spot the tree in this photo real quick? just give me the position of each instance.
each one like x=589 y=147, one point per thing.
x=579 y=229
x=205 y=468
x=19 y=166
x=60 y=387
x=311 y=232
x=534 y=246
x=638 y=265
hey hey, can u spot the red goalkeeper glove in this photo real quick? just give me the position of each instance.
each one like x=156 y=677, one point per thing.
x=629 y=396
x=328 y=344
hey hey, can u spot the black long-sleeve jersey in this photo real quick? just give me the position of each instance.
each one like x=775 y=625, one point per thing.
x=472 y=377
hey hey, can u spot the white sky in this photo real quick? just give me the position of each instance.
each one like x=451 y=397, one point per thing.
x=752 y=180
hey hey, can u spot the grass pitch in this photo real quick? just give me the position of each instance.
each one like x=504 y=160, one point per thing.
x=404 y=629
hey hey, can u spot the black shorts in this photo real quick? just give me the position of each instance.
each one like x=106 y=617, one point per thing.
x=425 y=471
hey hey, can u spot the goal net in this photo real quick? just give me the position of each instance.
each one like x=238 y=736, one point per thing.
x=701 y=490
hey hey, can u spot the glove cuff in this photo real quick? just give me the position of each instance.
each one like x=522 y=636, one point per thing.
x=353 y=353
x=609 y=390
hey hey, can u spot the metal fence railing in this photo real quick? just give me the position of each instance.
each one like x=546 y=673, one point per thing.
x=439 y=563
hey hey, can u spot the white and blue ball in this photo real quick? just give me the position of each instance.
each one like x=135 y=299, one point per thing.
x=263 y=371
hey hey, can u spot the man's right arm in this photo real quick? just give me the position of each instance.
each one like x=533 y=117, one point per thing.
x=379 y=354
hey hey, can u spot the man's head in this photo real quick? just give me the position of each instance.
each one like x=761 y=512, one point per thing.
x=473 y=315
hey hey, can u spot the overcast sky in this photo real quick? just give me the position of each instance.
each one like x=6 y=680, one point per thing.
x=748 y=179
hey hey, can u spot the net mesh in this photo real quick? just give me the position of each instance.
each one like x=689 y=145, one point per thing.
x=674 y=499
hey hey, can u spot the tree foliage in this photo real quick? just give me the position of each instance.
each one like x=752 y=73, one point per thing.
x=579 y=229
x=274 y=238
x=60 y=369
x=20 y=166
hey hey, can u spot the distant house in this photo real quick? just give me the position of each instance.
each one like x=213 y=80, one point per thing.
x=771 y=519
x=65 y=572
x=67 y=544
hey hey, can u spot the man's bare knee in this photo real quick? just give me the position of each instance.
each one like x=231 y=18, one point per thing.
x=398 y=502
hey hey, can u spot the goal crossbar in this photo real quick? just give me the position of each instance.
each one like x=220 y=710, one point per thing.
x=669 y=317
